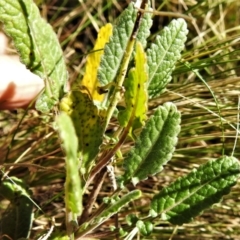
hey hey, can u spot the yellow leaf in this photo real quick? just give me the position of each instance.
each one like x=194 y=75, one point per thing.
x=135 y=92
x=90 y=81
x=88 y=126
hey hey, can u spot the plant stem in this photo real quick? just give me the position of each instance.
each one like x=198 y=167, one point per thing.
x=124 y=66
x=92 y=198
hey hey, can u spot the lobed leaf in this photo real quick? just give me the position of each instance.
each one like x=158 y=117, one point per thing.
x=38 y=47
x=188 y=196
x=90 y=80
x=87 y=124
x=155 y=145
x=163 y=55
x=73 y=189
x=115 y=49
x=135 y=92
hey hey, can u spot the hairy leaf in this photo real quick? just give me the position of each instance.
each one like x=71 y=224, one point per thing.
x=90 y=80
x=144 y=29
x=115 y=49
x=87 y=124
x=135 y=92
x=155 y=145
x=199 y=190
x=38 y=47
x=163 y=55
x=73 y=193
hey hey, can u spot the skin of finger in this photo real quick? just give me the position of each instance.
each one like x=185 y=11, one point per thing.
x=18 y=86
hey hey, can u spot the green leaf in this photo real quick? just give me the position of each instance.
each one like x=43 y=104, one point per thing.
x=59 y=236
x=144 y=29
x=163 y=55
x=117 y=205
x=87 y=124
x=38 y=47
x=135 y=92
x=200 y=189
x=11 y=187
x=16 y=221
x=73 y=189
x=131 y=219
x=112 y=208
x=145 y=227
x=116 y=47
x=155 y=145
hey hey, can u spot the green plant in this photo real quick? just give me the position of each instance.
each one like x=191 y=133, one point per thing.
x=125 y=70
